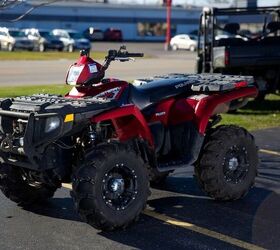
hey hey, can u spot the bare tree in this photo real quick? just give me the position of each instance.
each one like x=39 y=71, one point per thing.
x=33 y=8
x=6 y=4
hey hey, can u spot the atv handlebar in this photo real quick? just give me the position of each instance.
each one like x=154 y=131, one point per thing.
x=132 y=54
x=122 y=55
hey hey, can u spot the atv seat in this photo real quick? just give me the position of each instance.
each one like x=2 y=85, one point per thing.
x=157 y=89
x=153 y=90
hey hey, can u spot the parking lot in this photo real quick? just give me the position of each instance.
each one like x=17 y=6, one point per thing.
x=178 y=216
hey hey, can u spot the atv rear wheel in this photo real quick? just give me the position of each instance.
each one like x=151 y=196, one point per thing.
x=15 y=187
x=111 y=187
x=227 y=166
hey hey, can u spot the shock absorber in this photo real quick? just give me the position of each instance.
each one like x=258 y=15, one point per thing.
x=92 y=135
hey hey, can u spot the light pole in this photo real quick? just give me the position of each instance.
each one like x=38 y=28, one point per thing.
x=168 y=25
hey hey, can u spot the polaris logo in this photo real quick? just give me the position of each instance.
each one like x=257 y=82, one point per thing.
x=181 y=85
x=160 y=114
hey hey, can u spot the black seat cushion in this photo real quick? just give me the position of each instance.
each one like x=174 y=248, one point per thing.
x=232 y=28
x=271 y=40
x=273 y=26
x=157 y=89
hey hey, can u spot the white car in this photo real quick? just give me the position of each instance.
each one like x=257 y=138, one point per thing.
x=80 y=42
x=64 y=37
x=184 y=41
x=11 y=39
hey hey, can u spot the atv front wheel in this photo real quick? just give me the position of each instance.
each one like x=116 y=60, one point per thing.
x=227 y=166
x=111 y=187
x=15 y=187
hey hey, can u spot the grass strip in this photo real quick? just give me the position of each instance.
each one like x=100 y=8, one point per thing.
x=49 y=55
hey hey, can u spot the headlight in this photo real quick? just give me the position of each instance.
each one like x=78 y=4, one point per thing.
x=52 y=123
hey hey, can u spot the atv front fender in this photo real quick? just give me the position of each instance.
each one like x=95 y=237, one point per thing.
x=128 y=122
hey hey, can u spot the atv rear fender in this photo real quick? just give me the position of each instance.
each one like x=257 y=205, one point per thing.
x=216 y=103
x=128 y=122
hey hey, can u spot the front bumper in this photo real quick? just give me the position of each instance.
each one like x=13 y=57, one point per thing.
x=21 y=45
x=28 y=126
x=27 y=149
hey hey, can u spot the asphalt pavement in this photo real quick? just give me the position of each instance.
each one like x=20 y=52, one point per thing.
x=178 y=216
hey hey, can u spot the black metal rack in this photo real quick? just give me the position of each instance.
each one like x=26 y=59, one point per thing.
x=202 y=82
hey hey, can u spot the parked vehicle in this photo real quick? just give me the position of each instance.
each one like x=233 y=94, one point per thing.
x=184 y=41
x=247 y=48
x=63 y=36
x=114 y=35
x=94 y=34
x=11 y=39
x=80 y=42
x=110 y=138
x=43 y=40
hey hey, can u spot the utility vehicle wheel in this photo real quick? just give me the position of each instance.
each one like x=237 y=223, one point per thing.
x=158 y=178
x=111 y=187
x=261 y=96
x=227 y=166
x=16 y=187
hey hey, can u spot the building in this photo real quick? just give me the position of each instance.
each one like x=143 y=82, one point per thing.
x=137 y=22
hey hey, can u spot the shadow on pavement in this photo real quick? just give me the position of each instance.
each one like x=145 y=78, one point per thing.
x=60 y=208
x=253 y=219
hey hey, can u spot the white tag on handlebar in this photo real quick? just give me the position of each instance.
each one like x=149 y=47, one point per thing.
x=92 y=68
x=74 y=74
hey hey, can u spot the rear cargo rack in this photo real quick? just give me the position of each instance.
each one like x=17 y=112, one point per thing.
x=204 y=82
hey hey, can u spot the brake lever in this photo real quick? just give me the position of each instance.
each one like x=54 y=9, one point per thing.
x=124 y=59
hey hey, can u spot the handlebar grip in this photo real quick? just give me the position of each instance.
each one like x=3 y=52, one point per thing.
x=135 y=55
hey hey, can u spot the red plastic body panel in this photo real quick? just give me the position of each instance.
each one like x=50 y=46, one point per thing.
x=82 y=91
x=205 y=107
x=198 y=109
x=128 y=122
x=162 y=112
x=86 y=73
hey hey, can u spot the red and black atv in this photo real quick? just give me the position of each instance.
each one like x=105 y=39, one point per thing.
x=110 y=139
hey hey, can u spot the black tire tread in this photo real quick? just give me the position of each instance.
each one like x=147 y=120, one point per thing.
x=206 y=170
x=16 y=189
x=84 y=180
